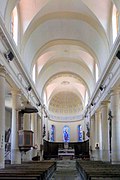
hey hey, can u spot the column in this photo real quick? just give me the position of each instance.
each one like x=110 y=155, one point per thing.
x=87 y=127
x=2 y=116
x=92 y=138
x=97 y=138
x=100 y=133
x=104 y=131
x=15 y=153
x=41 y=125
x=46 y=127
x=34 y=129
x=38 y=134
x=115 y=140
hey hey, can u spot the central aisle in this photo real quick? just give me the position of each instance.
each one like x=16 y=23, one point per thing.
x=66 y=169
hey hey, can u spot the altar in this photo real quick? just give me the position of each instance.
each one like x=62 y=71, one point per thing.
x=66 y=153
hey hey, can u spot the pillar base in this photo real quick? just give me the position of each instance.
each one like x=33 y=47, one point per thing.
x=115 y=162
x=115 y=156
x=41 y=155
x=105 y=156
x=100 y=155
x=15 y=156
x=26 y=156
x=97 y=155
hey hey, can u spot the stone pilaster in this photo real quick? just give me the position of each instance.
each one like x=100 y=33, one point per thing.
x=97 y=137
x=92 y=138
x=15 y=153
x=104 y=131
x=34 y=129
x=2 y=116
x=115 y=139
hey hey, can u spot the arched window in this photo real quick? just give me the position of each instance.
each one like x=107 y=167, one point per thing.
x=96 y=72
x=86 y=98
x=80 y=134
x=33 y=73
x=66 y=134
x=115 y=17
x=52 y=138
x=14 y=25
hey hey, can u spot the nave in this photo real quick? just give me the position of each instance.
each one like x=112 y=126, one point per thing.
x=86 y=170
x=59 y=83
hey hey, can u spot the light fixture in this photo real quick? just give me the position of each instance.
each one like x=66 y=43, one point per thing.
x=118 y=55
x=29 y=88
x=102 y=87
x=45 y=116
x=9 y=55
x=92 y=104
x=38 y=104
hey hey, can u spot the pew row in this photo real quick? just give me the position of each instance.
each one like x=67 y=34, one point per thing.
x=93 y=170
x=29 y=170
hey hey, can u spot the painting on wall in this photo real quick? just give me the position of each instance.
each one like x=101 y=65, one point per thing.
x=66 y=134
x=80 y=133
x=52 y=133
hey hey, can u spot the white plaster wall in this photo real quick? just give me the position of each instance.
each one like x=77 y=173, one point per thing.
x=8 y=116
x=2 y=7
x=59 y=129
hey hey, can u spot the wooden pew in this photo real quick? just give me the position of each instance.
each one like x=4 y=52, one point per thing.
x=98 y=169
x=36 y=171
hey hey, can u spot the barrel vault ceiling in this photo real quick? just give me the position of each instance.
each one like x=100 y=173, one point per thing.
x=65 y=41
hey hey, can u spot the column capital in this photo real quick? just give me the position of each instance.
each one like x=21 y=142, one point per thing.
x=16 y=91
x=16 y=99
x=115 y=91
x=2 y=70
x=104 y=103
x=96 y=115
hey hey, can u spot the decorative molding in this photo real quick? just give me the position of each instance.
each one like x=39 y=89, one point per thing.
x=2 y=71
x=16 y=74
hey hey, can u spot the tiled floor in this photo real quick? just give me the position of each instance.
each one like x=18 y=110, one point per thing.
x=66 y=170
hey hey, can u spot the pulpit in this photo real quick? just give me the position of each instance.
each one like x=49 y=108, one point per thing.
x=25 y=140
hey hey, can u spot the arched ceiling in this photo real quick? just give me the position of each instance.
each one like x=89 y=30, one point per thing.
x=65 y=82
x=65 y=103
x=65 y=40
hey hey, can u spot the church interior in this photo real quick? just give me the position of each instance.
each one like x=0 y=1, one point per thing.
x=59 y=88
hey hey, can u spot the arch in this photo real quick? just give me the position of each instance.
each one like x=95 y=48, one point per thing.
x=66 y=15
x=80 y=72
x=8 y=11
x=34 y=45
x=76 y=43
x=65 y=103
x=71 y=74
x=75 y=91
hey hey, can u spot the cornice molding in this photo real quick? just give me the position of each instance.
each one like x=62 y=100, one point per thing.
x=2 y=71
x=15 y=67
